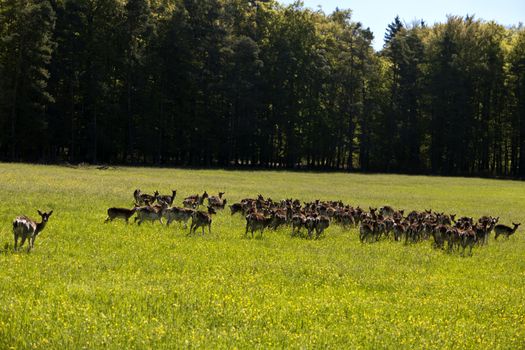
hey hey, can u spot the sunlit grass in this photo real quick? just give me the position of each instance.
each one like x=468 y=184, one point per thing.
x=90 y=285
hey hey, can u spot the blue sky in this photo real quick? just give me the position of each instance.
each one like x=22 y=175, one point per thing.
x=378 y=14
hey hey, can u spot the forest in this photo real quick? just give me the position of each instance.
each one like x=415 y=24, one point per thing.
x=258 y=84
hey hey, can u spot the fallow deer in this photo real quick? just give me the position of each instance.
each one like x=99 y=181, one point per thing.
x=179 y=215
x=298 y=221
x=149 y=213
x=256 y=221
x=236 y=208
x=505 y=230
x=217 y=201
x=26 y=228
x=386 y=211
x=120 y=213
x=167 y=198
x=141 y=198
x=322 y=224
x=194 y=201
x=310 y=223
x=201 y=219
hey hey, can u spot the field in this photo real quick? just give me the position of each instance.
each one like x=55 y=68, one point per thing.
x=90 y=285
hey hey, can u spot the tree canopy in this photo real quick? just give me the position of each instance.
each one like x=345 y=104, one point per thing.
x=258 y=84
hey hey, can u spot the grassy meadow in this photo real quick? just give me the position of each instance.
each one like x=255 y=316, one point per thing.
x=92 y=285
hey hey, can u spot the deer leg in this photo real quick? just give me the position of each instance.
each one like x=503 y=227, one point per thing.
x=209 y=229
x=23 y=241
x=30 y=243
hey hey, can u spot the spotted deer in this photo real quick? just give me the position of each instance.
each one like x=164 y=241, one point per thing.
x=26 y=228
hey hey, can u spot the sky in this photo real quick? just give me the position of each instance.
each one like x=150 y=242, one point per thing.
x=378 y=14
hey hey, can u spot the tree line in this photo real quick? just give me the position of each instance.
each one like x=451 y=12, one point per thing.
x=256 y=83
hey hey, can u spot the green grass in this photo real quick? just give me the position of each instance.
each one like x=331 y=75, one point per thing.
x=90 y=285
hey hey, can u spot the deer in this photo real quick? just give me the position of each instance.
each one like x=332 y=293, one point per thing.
x=179 y=215
x=167 y=198
x=149 y=213
x=386 y=211
x=467 y=238
x=399 y=229
x=201 y=219
x=505 y=230
x=236 y=208
x=141 y=198
x=322 y=224
x=278 y=219
x=256 y=221
x=311 y=221
x=120 y=213
x=298 y=221
x=26 y=228
x=217 y=201
x=195 y=200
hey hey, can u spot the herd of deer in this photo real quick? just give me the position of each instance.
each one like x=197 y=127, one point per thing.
x=314 y=217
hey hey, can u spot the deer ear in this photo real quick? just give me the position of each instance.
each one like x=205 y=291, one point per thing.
x=39 y=212
x=51 y=212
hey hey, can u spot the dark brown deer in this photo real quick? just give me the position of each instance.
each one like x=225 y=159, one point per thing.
x=236 y=208
x=120 y=213
x=201 y=219
x=167 y=198
x=505 y=230
x=26 y=228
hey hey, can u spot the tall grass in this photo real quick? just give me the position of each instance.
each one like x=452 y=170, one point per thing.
x=92 y=285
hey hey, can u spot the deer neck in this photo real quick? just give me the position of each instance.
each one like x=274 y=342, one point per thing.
x=39 y=227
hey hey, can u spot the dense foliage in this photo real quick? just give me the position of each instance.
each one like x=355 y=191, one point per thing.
x=256 y=83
